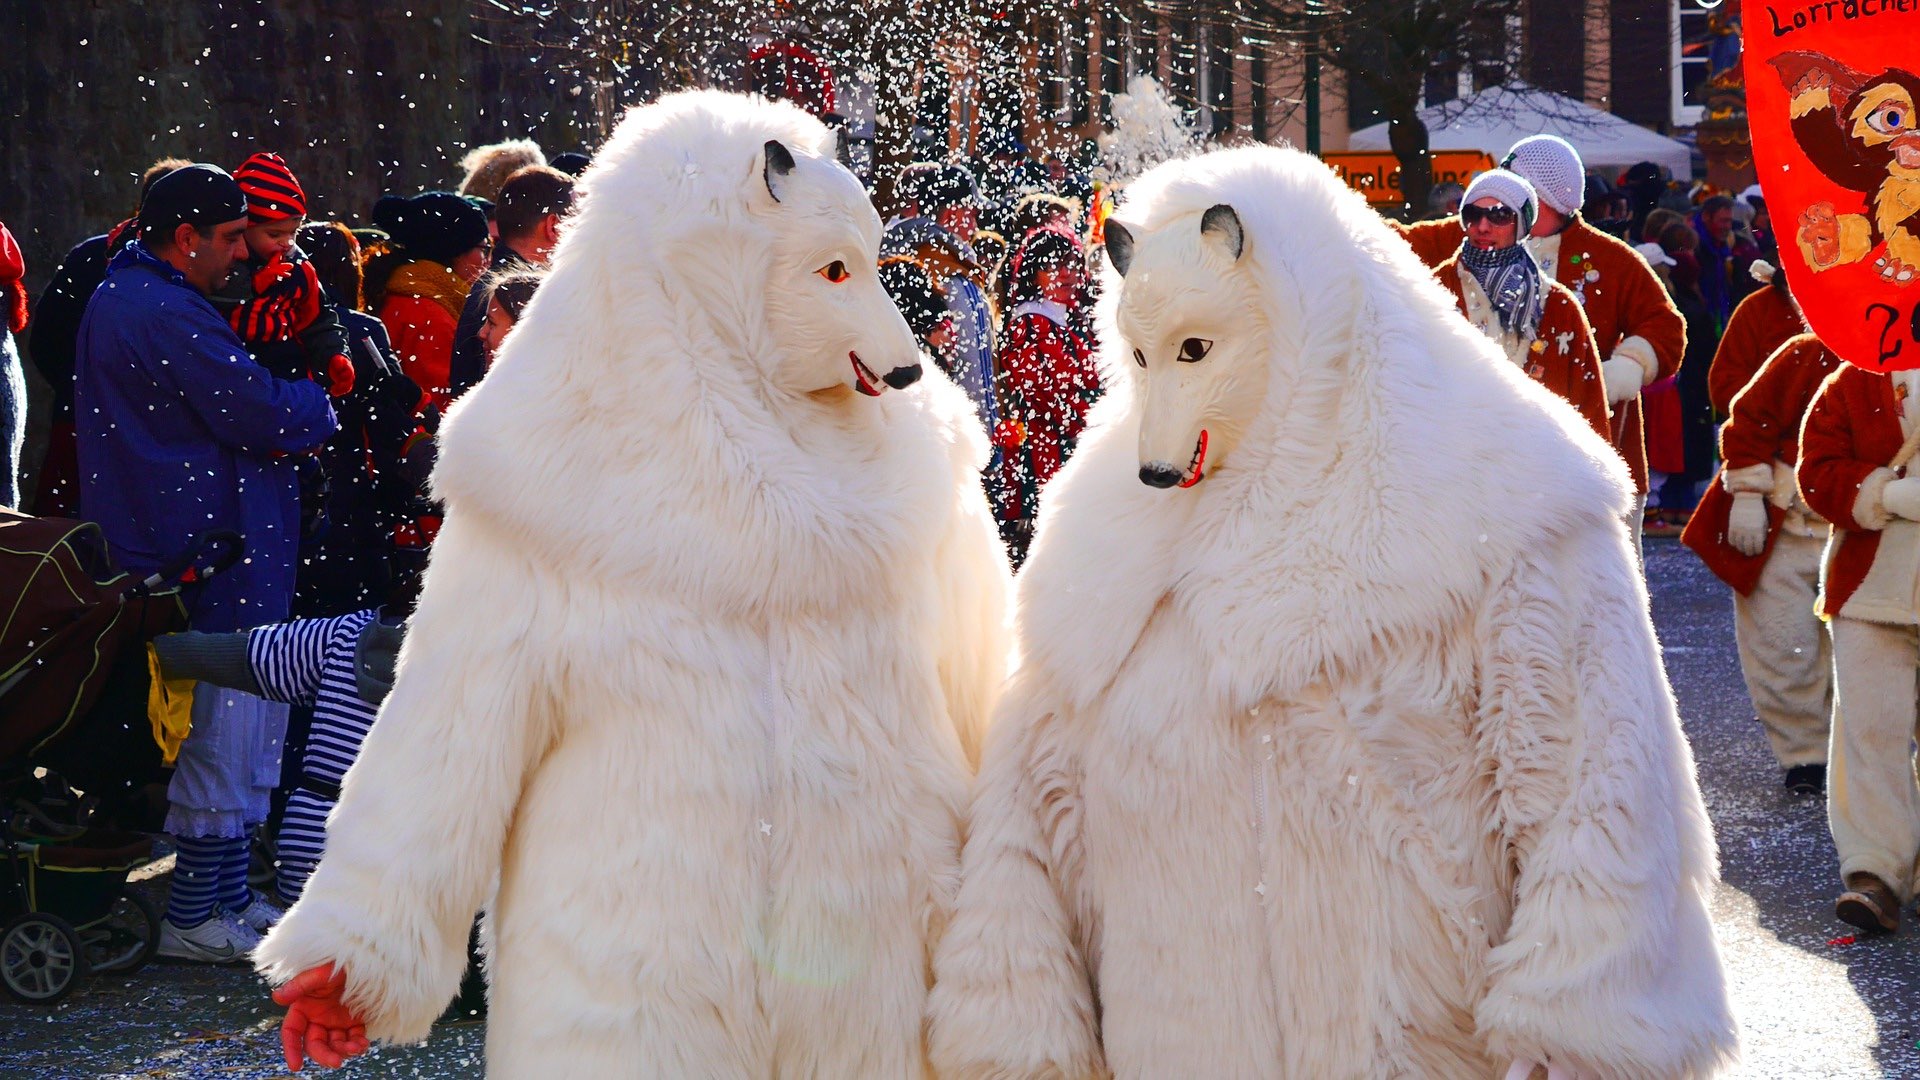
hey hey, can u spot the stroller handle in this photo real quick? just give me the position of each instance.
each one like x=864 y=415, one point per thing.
x=225 y=547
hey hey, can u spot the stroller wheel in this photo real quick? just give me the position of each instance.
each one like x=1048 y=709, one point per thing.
x=40 y=958
x=125 y=938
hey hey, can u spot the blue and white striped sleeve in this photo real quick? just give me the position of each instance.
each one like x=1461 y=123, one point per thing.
x=287 y=657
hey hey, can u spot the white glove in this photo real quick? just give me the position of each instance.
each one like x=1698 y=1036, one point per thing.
x=1902 y=497
x=1523 y=1070
x=1747 y=523
x=1624 y=377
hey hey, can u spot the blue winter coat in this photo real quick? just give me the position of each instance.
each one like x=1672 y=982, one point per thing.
x=180 y=431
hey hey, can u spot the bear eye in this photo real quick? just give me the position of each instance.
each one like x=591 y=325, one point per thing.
x=1193 y=349
x=1140 y=358
x=835 y=271
x=1886 y=121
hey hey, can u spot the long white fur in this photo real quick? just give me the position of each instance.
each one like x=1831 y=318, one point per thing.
x=702 y=657
x=1356 y=759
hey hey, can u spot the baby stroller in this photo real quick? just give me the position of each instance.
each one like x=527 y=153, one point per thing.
x=74 y=731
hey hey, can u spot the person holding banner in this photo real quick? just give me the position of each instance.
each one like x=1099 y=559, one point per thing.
x=1860 y=436
x=1756 y=533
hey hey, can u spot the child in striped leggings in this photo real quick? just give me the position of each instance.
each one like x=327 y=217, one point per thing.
x=341 y=667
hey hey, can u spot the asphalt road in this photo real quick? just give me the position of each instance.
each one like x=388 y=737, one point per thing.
x=1811 y=1002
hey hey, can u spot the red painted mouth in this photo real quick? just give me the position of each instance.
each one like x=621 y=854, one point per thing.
x=1199 y=461
x=869 y=383
x=1906 y=151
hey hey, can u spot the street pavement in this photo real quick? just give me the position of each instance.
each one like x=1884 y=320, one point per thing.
x=1811 y=1002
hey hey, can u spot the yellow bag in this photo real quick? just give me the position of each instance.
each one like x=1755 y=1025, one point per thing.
x=169 y=708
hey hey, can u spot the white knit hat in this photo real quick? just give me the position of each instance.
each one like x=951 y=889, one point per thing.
x=1510 y=188
x=1553 y=166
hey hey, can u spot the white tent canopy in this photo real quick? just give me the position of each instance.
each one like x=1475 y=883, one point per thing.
x=1499 y=116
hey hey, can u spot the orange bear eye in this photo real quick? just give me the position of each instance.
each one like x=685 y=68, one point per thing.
x=835 y=271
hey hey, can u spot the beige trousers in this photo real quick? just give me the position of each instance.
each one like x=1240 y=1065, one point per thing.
x=1873 y=794
x=1785 y=652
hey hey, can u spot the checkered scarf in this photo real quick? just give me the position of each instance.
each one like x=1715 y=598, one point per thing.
x=1512 y=282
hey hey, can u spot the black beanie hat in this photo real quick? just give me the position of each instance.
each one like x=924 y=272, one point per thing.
x=913 y=292
x=573 y=162
x=437 y=225
x=197 y=195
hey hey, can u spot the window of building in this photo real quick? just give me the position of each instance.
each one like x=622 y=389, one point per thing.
x=1217 y=88
x=1183 y=68
x=1076 y=57
x=1113 y=59
x=1694 y=31
x=1257 y=91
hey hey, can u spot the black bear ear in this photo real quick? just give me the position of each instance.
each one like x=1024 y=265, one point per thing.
x=1222 y=224
x=778 y=167
x=1119 y=247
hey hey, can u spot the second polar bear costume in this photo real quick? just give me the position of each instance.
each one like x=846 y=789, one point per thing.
x=706 y=643
x=1340 y=747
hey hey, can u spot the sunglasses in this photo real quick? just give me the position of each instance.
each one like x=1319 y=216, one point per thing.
x=1499 y=215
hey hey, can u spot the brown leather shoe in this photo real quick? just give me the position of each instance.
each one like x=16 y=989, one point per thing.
x=1868 y=904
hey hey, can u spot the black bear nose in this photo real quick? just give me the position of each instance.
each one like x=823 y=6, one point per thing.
x=902 y=377
x=1160 y=476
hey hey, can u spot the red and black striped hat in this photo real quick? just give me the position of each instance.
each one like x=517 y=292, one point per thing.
x=272 y=192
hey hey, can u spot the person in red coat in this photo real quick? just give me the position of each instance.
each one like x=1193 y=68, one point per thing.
x=1760 y=325
x=419 y=285
x=1854 y=451
x=1756 y=533
x=1639 y=332
x=1046 y=376
x=1533 y=318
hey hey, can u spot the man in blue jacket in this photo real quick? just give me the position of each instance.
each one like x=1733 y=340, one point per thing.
x=180 y=431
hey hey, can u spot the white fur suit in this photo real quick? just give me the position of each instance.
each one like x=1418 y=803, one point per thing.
x=703 y=653
x=1354 y=758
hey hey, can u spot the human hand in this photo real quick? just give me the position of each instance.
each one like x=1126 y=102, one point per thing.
x=1747 y=523
x=318 y=1023
x=338 y=378
x=1902 y=497
x=1624 y=378
x=272 y=273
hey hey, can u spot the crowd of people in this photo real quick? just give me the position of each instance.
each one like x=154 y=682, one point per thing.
x=217 y=358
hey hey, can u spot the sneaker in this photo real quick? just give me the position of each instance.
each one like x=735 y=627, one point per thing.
x=260 y=915
x=1868 y=904
x=1807 y=780
x=221 y=939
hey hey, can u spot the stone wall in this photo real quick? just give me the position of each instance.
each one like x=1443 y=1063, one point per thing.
x=360 y=98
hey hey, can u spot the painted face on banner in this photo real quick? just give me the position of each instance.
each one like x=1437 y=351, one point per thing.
x=1832 y=90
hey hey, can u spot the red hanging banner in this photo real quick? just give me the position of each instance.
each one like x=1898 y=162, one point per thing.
x=1831 y=97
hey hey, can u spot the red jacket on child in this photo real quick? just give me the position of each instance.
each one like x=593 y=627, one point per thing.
x=1047 y=382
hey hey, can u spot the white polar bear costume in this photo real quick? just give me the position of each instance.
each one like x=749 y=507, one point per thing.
x=703 y=653
x=1354 y=758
